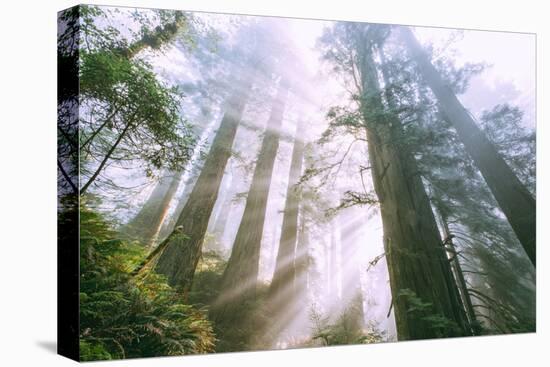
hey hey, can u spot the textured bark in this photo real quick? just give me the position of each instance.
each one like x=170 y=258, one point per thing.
x=201 y=128
x=170 y=223
x=417 y=263
x=146 y=224
x=283 y=275
x=240 y=276
x=180 y=258
x=515 y=201
x=145 y=264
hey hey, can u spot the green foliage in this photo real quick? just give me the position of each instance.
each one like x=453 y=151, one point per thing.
x=346 y=329
x=239 y=331
x=487 y=248
x=67 y=102
x=234 y=332
x=505 y=299
x=126 y=98
x=441 y=325
x=458 y=78
x=93 y=351
x=158 y=30
x=495 y=264
x=372 y=334
x=153 y=28
x=126 y=112
x=207 y=279
x=516 y=143
x=340 y=47
x=125 y=317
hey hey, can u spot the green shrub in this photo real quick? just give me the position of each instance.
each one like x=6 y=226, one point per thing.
x=125 y=317
x=347 y=329
x=207 y=279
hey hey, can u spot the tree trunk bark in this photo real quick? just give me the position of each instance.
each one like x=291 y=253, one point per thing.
x=515 y=201
x=181 y=256
x=240 y=276
x=283 y=275
x=417 y=264
x=204 y=127
x=169 y=225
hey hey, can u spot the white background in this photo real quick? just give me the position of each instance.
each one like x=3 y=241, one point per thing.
x=28 y=183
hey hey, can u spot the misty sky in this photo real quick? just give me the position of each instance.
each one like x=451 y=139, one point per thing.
x=510 y=59
x=509 y=78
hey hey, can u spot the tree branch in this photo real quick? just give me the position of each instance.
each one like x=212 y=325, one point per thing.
x=105 y=159
x=73 y=186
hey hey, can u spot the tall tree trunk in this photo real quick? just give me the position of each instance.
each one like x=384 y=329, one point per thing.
x=169 y=224
x=417 y=264
x=452 y=283
x=218 y=227
x=515 y=201
x=302 y=264
x=146 y=224
x=274 y=245
x=240 y=276
x=334 y=264
x=281 y=305
x=180 y=258
x=459 y=275
x=327 y=279
x=283 y=275
x=352 y=295
x=204 y=127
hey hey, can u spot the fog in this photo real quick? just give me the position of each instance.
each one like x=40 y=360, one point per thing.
x=342 y=244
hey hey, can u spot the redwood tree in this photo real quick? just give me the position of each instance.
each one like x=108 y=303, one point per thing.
x=284 y=266
x=426 y=302
x=514 y=199
x=240 y=276
x=181 y=254
x=146 y=225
